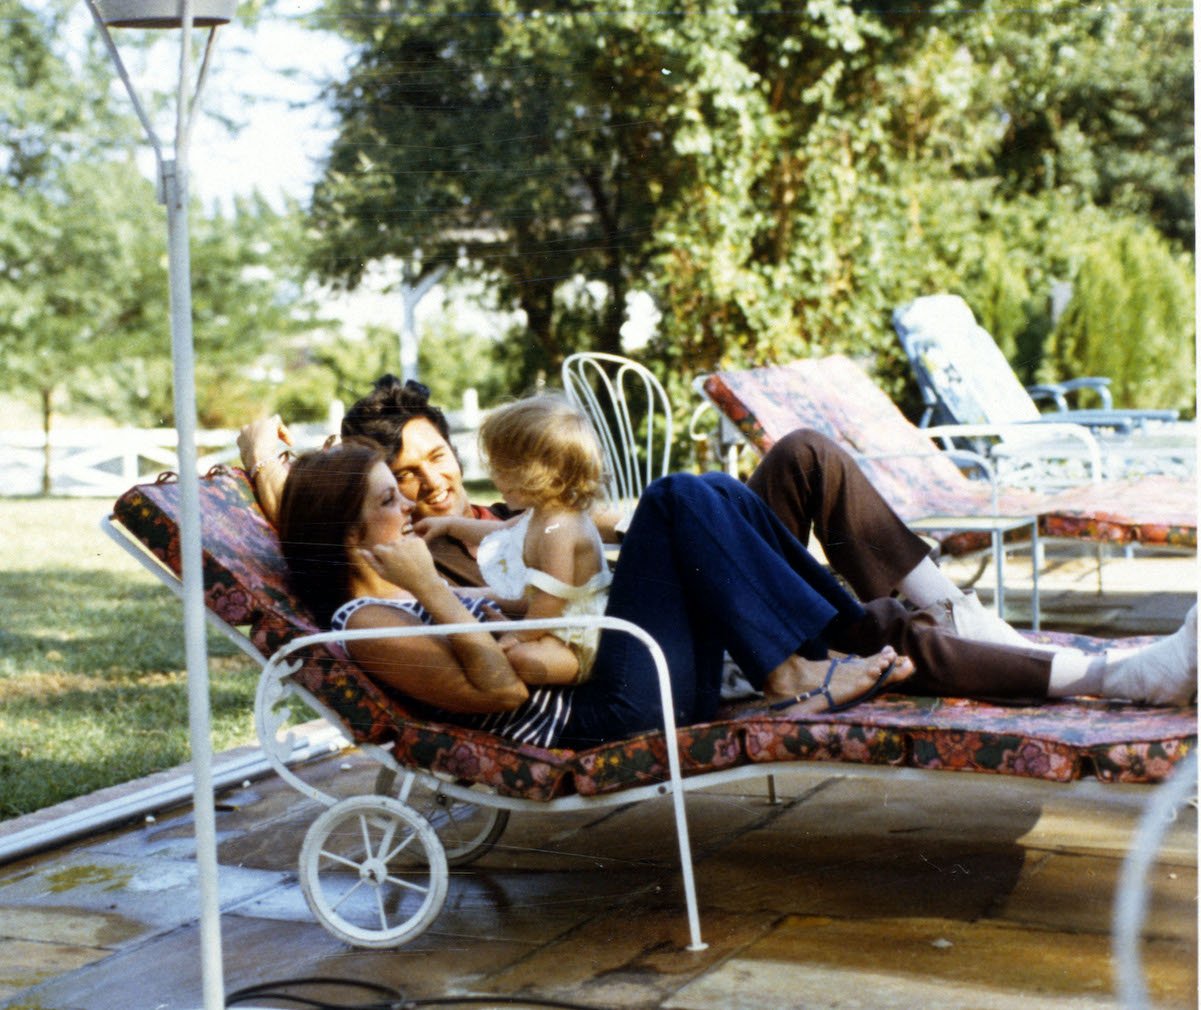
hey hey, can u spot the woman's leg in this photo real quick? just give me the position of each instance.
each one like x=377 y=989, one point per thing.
x=704 y=567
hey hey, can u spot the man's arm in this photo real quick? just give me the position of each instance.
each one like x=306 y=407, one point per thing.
x=259 y=445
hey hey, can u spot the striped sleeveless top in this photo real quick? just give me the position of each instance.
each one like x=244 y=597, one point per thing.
x=540 y=718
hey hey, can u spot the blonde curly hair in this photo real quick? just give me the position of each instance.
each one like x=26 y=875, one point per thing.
x=549 y=450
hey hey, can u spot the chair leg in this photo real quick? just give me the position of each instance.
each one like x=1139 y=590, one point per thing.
x=773 y=799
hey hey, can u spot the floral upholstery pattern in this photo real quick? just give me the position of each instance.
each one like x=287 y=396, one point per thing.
x=246 y=584
x=835 y=396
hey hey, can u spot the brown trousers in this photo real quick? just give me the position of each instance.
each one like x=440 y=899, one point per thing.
x=812 y=484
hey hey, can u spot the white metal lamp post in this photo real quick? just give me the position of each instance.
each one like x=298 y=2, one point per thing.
x=173 y=192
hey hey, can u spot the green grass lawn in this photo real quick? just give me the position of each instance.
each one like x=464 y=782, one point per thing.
x=92 y=684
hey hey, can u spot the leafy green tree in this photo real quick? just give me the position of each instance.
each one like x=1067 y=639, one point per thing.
x=83 y=273
x=1097 y=99
x=75 y=259
x=782 y=177
x=454 y=358
x=521 y=143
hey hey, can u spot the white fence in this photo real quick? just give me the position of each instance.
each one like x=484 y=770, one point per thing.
x=103 y=463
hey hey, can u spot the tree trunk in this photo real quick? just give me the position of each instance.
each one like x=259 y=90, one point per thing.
x=608 y=206
x=537 y=300
x=609 y=338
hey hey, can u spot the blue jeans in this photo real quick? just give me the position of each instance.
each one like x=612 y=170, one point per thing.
x=704 y=568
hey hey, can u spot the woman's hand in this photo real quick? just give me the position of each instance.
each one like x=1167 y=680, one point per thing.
x=406 y=563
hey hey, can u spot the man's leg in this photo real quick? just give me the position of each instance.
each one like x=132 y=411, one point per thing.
x=812 y=484
x=947 y=664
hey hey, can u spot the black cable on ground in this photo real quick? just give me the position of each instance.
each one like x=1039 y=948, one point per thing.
x=392 y=999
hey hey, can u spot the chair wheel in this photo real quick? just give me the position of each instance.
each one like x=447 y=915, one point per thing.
x=373 y=872
x=466 y=830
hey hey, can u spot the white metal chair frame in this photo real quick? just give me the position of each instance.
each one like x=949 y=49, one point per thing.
x=388 y=820
x=617 y=394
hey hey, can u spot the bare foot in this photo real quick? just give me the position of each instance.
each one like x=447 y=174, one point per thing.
x=796 y=684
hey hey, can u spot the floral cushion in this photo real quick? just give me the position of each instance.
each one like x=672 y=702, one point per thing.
x=246 y=584
x=1059 y=741
x=835 y=396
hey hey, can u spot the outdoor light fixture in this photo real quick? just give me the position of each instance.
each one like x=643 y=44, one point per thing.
x=173 y=192
x=164 y=13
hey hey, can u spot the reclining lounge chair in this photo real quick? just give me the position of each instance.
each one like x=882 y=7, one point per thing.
x=965 y=379
x=835 y=396
x=374 y=867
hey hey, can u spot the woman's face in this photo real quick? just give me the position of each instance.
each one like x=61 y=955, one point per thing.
x=387 y=514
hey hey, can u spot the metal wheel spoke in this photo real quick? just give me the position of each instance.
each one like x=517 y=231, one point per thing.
x=407 y=885
x=404 y=844
x=334 y=857
x=387 y=833
x=365 y=830
x=357 y=884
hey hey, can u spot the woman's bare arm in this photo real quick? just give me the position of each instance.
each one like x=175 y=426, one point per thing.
x=431 y=669
x=465 y=672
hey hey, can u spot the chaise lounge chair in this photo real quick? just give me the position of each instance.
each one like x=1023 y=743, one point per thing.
x=374 y=867
x=836 y=397
x=965 y=379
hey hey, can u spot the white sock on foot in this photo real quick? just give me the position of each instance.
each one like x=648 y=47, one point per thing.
x=965 y=615
x=1161 y=674
x=926 y=585
x=1074 y=673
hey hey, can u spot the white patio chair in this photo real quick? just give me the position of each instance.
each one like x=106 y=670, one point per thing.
x=631 y=413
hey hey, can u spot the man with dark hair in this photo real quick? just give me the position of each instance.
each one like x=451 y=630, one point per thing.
x=414 y=436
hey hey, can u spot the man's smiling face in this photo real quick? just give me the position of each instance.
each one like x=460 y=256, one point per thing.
x=428 y=472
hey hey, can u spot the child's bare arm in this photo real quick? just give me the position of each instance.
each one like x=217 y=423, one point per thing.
x=543 y=660
x=469 y=531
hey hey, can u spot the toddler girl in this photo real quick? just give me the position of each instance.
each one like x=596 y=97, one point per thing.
x=544 y=459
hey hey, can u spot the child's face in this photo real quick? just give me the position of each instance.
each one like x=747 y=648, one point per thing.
x=507 y=484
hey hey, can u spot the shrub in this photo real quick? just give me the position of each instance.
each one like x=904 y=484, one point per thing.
x=1130 y=318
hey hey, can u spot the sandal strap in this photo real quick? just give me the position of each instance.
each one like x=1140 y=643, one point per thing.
x=824 y=690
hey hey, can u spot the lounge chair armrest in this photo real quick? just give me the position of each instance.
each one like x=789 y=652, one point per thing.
x=1020 y=438
x=1058 y=391
x=1098 y=384
x=962 y=458
x=281 y=664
